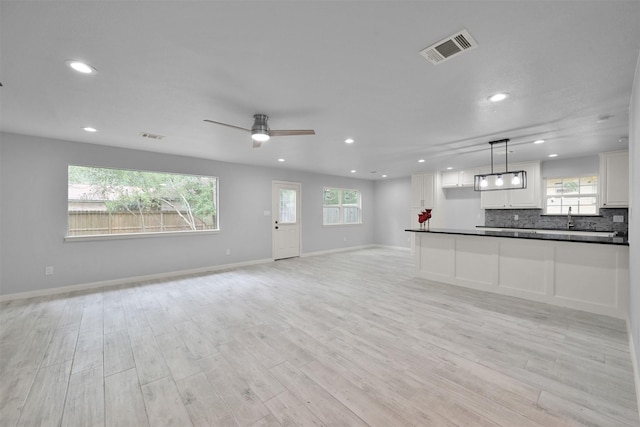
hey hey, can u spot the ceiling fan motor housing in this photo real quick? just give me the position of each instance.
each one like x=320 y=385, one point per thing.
x=260 y=130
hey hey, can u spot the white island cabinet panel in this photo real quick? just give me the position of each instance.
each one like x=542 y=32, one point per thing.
x=603 y=267
x=586 y=276
x=517 y=256
x=435 y=256
x=473 y=262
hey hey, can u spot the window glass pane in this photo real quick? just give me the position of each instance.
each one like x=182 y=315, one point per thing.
x=587 y=201
x=351 y=215
x=588 y=185
x=350 y=197
x=331 y=215
x=553 y=185
x=287 y=214
x=117 y=201
x=331 y=196
x=570 y=186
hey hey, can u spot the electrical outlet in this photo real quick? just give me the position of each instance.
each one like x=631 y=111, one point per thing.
x=228 y=251
x=515 y=217
x=48 y=270
x=618 y=218
x=266 y=213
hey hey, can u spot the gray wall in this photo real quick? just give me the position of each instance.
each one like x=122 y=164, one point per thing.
x=392 y=213
x=634 y=219
x=461 y=208
x=33 y=216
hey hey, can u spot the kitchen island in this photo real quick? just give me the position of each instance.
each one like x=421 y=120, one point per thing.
x=589 y=273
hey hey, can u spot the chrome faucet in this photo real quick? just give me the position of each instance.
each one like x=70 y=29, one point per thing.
x=569 y=220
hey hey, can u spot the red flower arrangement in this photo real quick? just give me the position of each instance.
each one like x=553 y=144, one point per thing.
x=423 y=217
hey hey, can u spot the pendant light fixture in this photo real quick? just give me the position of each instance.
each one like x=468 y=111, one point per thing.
x=507 y=180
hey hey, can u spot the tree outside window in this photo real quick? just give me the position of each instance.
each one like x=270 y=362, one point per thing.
x=104 y=201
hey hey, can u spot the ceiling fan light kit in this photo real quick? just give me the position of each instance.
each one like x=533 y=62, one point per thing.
x=260 y=131
x=507 y=180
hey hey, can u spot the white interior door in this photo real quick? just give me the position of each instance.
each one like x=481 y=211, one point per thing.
x=286 y=219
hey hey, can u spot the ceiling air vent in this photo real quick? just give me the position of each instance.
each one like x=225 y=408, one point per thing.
x=449 y=47
x=151 y=135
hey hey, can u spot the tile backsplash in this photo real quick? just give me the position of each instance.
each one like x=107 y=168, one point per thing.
x=533 y=218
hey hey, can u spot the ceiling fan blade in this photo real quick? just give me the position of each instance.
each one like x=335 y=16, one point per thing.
x=257 y=144
x=291 y=132
x=227 y=125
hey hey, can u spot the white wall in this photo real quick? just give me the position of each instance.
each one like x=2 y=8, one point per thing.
x=634 y=219
x=392 y=212
x=33 y=216
x=576 y=166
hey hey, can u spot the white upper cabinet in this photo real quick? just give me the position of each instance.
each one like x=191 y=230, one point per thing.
x=526 y=198
x=457 y=179
x=423 y=190
x=614 y=179
x=450 y=179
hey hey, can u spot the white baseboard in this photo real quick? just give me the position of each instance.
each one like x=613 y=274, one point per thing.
x=332 y=251
x=127 y=280
x=397 y=248
x=634 y=362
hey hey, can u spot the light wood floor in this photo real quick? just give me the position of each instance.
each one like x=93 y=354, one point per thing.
x=347 y=339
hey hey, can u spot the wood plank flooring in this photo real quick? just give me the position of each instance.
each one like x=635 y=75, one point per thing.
x=344 y=339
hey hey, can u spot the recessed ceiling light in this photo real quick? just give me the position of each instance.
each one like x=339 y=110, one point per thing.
x=421 y=161
x=353 y=171
x=501 y=96
x=539 y=141
x=80 y=67
x=449 y=168
x=553 y=155
x=90 y=129
x=384 y=176
x=281 y=160
x=349 y=141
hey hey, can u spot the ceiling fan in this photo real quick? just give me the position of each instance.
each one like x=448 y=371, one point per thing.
x=260 y=131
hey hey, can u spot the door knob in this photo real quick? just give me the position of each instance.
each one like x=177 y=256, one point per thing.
x=276 y=227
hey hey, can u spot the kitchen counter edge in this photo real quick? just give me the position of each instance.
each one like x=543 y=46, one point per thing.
x=618 y=240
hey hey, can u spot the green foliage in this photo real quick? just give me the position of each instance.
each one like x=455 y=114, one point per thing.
x=191 y=196
x=331 y=196
x=350 y=197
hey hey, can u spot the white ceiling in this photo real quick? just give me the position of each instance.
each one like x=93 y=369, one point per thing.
x=345 y=69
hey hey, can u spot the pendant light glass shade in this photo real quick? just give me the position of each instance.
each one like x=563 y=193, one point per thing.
x=507 y=180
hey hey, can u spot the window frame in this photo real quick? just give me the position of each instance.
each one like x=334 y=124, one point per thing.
x=341 y=206
x=157 y=207
x=595 y=195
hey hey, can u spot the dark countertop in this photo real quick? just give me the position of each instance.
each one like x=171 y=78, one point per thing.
x=527 y=234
